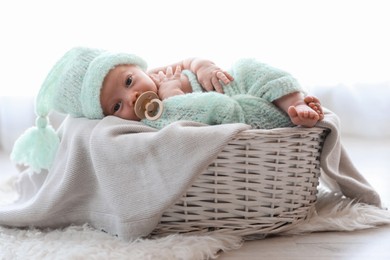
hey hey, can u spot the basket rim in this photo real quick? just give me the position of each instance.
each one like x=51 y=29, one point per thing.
x=285 y=132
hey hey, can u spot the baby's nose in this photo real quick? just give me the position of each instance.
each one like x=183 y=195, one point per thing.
x=133 y=97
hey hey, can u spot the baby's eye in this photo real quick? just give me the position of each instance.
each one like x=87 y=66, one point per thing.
x=117 y=106
x=129 y=80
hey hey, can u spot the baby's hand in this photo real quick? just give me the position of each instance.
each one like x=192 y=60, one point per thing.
x=162 y=77
x=211 y=78
x=168 y=83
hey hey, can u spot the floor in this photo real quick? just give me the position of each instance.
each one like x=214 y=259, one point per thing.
x=372 y=158
x=368 y=244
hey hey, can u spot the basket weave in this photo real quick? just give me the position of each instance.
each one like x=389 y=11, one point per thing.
x=262 y=182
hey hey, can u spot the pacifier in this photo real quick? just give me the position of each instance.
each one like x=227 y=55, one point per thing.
x=148 y=105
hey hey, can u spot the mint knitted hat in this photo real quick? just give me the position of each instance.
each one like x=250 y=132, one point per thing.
x=72 y=87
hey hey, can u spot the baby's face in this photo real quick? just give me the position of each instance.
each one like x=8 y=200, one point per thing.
x=121 y=88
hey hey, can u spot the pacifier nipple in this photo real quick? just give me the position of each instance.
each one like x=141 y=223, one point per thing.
x=148 y=105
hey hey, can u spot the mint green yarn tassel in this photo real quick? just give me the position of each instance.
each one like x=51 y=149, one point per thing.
x=37 y=146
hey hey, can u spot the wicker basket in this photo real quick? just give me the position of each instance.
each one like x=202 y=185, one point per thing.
x=263 y=182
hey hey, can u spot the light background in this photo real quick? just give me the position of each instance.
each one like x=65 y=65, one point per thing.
x=319 y=42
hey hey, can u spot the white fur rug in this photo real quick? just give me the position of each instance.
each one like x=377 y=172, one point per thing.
x=333 y=213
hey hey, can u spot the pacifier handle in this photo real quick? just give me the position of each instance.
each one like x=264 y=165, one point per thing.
x=149 y=106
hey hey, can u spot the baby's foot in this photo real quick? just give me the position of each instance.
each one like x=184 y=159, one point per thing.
x=315 y=104
x=307 y=112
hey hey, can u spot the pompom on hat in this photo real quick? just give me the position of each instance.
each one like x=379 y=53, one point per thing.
x=72 y=87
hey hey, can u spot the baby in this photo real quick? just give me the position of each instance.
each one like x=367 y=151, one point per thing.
x=258 y=97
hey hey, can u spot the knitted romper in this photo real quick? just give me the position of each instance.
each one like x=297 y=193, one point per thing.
x=247 y=99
